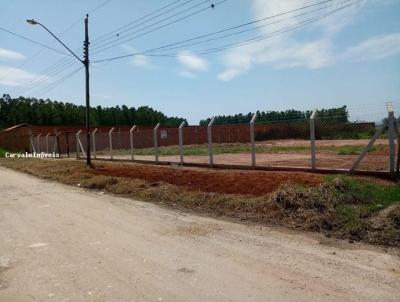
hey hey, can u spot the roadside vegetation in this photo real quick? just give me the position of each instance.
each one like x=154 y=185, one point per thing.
x=202 y=150
x=353 y=208
x=2 y=152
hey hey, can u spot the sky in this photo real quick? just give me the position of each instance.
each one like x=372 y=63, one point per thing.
x=340 y=52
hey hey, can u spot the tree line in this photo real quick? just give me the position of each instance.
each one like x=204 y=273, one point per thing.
x=14 y=111
x=339 y=115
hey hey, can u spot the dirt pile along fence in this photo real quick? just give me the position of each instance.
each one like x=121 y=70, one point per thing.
x=314 y=143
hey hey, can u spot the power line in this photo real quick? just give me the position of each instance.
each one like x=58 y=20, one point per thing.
x=61 y=34
x=102 y=37
x=238 y=32
x=55 y=68
x=33 y=41
x=231 y=28
x=44 y=78
x=260 y=37
x=122 y=40
x=44 y=74
x=226 y=30
x=60 y=81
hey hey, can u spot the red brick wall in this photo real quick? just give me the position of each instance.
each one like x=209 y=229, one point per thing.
x=18 y=138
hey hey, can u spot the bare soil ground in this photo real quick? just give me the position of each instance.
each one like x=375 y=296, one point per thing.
x=324 y=160
x=61 y=243
x=377 y=160
x=228 y=182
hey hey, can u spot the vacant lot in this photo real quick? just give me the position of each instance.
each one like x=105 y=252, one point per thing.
x=339 y=154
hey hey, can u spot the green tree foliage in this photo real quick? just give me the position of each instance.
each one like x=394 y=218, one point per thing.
x=338 y=115
x=33 y=111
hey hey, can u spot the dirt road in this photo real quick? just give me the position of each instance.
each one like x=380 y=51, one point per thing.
x=59 y=243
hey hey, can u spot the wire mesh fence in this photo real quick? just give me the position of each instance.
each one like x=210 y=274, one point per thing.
x=283 y=143
x=317 y=142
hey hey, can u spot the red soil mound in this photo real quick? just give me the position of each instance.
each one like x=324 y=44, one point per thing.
x=230 y=182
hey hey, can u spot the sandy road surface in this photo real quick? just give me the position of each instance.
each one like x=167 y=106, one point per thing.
x=59 y=243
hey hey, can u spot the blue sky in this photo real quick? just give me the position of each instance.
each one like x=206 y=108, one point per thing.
x=349 y=58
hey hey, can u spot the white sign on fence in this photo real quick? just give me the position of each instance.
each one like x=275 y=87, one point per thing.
x=164 y=134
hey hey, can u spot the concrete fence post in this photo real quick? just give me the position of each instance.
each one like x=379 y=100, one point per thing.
x=209 y=135
x=47 y=142
x=312 y=140
x=181 y=141
x=252 y=140
x=55 y=141
x=94 y=142
x=78 y=140
x=38 y=141
x=110 y=142
x=391 y=138
x=32 y=147
x=155 y=136
x=131 y=141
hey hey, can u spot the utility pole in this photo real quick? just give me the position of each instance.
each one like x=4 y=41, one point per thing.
x=86 y=62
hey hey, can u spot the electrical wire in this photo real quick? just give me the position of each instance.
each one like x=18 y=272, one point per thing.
x=263 y=37
x=55 y=65
x=115 y=31
x=44 y=78
x=97 y=44
x=122 y=41
x=33 y=41
x=55 y=68
x=168 y=46
x=60 y=81
x=290 y=28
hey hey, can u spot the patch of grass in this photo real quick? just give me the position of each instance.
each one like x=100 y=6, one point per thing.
x=355 y=150
x=373 y=196
x=235 y=148
x=202 y=150
x=2 y=152
x=357 y=201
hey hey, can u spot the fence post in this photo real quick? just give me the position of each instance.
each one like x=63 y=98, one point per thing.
x=55 y=140
x=38 y=141
x=110 y=142
x=32 y=148
x=94 y=142
x=181 y=141
x=155 y=136
x=391 y=138
x=77 y=143
x=131 y=141
x=47 y=142
x=209 y=135
x=312 y=139
x=252 y=140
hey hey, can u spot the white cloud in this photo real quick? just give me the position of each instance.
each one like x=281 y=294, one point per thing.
x=6 y=54
x=142 y=61
x=11 y=76
x=192 y=62
x=375 y=48
x=187 y=74
x=137 y=60
x=288 y=50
